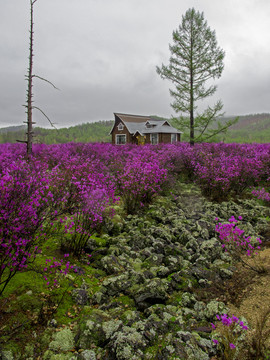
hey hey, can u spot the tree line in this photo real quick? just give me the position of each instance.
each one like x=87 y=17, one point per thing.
x=88 y=132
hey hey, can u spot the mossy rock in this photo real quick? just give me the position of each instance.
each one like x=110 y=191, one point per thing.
x=6 y=355
x=90 y=329
x=49 y=355
x=62 y=341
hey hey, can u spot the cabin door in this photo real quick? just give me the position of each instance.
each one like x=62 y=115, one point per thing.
x=140 y=139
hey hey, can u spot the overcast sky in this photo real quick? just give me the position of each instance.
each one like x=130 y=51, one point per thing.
x=102 y=55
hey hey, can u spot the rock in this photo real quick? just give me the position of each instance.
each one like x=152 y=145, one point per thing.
x=226 y=273
x=110 y=327
x=153 y=292
x=52 y=323
x=148 y=274
x=6 y=355
x=188 y=299
x=88 y=355
x=80 y=295
x=195 y=347
x=111 y=264
x=49 y=355
x=130 y=316
x=91 y=331
x=214 y=308
x=116 y=284
x=62 y=341
x=128 y=344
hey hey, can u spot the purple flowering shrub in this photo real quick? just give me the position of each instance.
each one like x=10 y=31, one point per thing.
x=237 y=244
x=89 y=192
x=25 y=203
x=138 y=181
x=223 y=169
x=54 y=269
x=228 y=333
x=68 y=190
x=262 y=194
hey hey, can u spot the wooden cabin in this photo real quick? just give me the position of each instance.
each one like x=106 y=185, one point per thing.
x=137 y=129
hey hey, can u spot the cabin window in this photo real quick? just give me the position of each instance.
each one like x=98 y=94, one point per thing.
x=121 y=139
x=173 y=138
x=154 y=139
x=120 y=127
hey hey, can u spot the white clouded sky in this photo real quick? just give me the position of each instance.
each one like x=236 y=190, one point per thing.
x=103 y=54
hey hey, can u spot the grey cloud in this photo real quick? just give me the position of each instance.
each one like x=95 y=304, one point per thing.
x=103 y=54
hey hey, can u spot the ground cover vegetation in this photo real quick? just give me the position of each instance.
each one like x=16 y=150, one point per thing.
x=124 y=252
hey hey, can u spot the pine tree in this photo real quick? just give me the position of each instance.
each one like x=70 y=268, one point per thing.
x=195 y=59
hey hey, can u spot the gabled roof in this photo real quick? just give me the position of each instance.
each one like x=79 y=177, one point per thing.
x=137 y=123
x=132 y=118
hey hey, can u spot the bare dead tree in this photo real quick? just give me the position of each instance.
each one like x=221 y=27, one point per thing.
x=29 y=94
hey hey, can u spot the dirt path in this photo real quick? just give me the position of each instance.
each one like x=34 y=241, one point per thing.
x=252 y=291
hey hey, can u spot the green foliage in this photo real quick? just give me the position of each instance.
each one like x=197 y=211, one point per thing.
x=88 y=132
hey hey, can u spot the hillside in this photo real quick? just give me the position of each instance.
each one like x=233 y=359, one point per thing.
x=88 y=132
x=250 y=128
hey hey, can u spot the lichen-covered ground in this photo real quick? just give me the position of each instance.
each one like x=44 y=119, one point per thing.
x=155 y=284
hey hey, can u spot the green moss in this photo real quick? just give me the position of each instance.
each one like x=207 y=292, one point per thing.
x=152 y=351
x=51 y=246
x=66 y=313
x=125 y=301
x=28 y=302
x=101 y=242
x=23 y=282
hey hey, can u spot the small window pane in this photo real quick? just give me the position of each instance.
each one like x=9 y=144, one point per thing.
x=120 y=139
x=173 y=138
x=154 y=139
x=120 y=126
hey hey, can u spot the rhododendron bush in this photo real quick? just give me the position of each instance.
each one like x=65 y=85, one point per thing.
x=66 y=190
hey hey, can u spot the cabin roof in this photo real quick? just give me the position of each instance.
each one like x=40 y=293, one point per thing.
x=133 y=118
x=137 y=123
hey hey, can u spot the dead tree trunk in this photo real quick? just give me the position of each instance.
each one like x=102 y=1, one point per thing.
x=29 y=77
x=29 y=94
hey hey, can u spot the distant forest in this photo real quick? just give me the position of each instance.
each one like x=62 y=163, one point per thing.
x=253 y=128
x=250 y=128
x=88 y=132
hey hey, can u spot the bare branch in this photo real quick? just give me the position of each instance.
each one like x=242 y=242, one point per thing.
x=41 y=78
x=35 y=107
